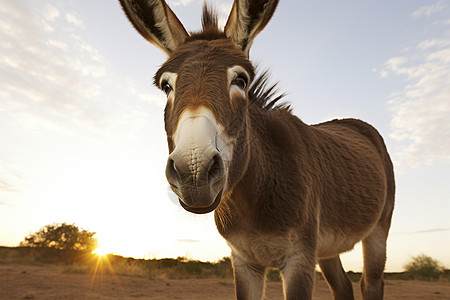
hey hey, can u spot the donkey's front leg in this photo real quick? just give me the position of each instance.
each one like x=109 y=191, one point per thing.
x=298 y=277
x=249 y=279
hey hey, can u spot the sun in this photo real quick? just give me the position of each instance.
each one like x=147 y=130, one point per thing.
x=101 y=251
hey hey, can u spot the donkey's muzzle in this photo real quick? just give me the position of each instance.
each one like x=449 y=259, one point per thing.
x=197 y=177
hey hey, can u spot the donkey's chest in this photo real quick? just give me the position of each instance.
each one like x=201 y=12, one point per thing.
x=269 y=250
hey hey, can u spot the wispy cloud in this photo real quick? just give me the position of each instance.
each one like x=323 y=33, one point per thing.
x=421 y=110
x=428 y=10
x=50 y=12
x=6 y=187
x=425 y=231
x=73 y=19
x=9 y=182
x=433 y=43
x=188 y=241
x=42 y=68
x=431 y=230
x=49 y=70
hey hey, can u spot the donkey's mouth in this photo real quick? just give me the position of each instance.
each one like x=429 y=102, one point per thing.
x=203 y=210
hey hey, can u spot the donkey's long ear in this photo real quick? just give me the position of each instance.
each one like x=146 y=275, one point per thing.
x=247 y=19
x=156 y=22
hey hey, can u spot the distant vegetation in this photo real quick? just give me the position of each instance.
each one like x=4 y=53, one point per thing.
x=82 y=261
x=62 y=236
x=76 y=261
x=423 y=267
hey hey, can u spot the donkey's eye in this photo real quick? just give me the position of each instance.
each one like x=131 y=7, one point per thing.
x=241 y=81
x=166 y=87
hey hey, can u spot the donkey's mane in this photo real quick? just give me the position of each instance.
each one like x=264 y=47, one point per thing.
x=209 y=17
x=210 y=26
x=265 y=95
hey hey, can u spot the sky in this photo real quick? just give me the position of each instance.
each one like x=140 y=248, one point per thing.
x=81 y=126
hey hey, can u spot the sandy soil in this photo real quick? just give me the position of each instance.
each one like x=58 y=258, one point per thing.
x=19 y=281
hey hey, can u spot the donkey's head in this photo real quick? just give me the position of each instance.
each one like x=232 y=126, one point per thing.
x=206 y=79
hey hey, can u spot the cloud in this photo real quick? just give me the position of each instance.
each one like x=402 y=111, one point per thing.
x=188 y=241
x=71 y=18
x=51 y=72
x=9 y=182
x=6 y=187
x=431 y=230
x=50 y=12
x=42 y=68
x=433 y=43
x=427 y=11
x=421 y=110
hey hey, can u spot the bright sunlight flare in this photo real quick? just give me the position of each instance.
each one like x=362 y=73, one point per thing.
x=101 y=251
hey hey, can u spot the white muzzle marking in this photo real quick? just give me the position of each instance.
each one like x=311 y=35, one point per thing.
x=197 y=132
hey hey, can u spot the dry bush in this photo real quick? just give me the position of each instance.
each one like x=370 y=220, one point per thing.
x=423 y=267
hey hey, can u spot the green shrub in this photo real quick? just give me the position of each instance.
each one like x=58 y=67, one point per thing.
x=423 y=267
x=62 y=237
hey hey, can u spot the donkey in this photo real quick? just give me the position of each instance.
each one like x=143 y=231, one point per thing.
x=284 y=194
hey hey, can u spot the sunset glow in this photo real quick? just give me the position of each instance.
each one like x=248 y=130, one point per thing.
x=100 y=251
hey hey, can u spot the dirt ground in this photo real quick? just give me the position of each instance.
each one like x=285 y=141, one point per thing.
x=19 y=281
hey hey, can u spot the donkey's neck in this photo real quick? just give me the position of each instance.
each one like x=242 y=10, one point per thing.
x=265 y=189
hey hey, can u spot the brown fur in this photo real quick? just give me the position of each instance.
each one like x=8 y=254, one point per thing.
x=297 y=193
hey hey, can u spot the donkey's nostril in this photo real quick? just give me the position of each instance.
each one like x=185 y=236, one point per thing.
x=171 y=172
x=215 y=170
